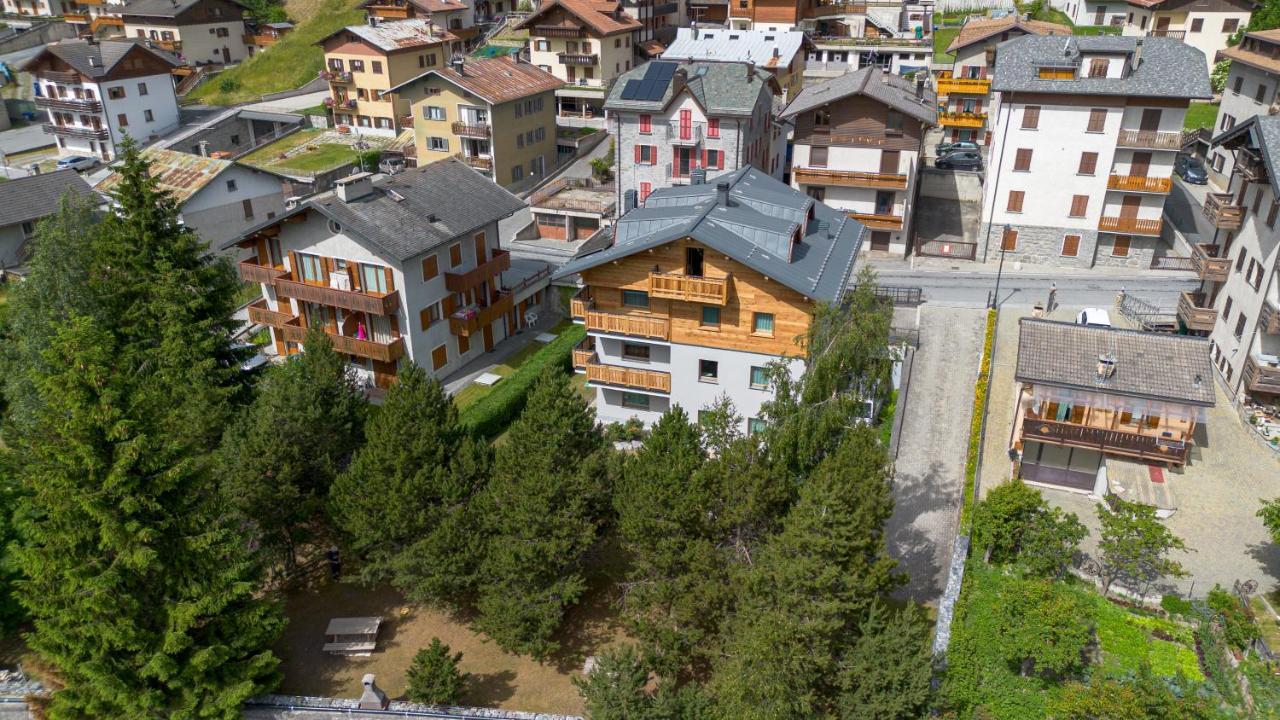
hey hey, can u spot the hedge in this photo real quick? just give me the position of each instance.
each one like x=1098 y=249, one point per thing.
x=490 y=415
x=976 y=422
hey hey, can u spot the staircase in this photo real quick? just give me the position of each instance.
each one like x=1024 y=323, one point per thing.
x=1147 y=316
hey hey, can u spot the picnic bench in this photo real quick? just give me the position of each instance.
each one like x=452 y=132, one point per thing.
x=352 y=636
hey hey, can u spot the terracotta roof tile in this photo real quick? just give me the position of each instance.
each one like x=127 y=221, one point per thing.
x=981 y=29
x=497 y=80
x=603 y=18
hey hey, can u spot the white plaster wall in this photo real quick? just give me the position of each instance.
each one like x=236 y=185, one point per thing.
x=1240 y=106
x=200 y=43
x=160 y=100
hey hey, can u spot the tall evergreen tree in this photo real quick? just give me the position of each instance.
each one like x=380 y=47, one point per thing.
x=403 y=501
x=541 y=513
x=885 y=675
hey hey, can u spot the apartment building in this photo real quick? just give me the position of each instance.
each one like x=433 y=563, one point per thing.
x=363 y=62
x=1238 y=305
x=781 y=53
x=24 y=202
x=833 y=56
x=1250 y=90
x=770 y=15
x=672 y=119
x=458 y=17
x=199 y=31
x=857 y=146
x=658 y=22
x=406 y=268
x=1082 y=148
x=584 y=43
x=701 y=289
x=97 y=92
x=964 y=90
x=1203 y=24
x=33 y=8
x=497 y=116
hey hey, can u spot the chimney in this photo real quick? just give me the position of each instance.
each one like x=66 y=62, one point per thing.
x=374 y=20
x=698 y=176
x=682 y=75
x=354 y=187
x=1137 y=54
x=204 y=148
x=628 y=201
x=751 y=71
x=372 y=698
x=459 y=65
x=722 y=194
x=1106 y=367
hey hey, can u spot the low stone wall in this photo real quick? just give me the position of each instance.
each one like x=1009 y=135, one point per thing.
x=39 y=34
x=1040 y=245
x=399 y=709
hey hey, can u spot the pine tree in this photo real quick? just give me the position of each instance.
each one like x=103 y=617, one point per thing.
x=433 y=676
x=408 y=489
x=886 y=674
x=615 y=687
x=770 y=670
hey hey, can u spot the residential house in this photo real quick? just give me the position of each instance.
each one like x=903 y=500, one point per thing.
x=1082 y=149
x=218 y=199
x=672 y=119
x=701 y=289
x=97 y=92
x=964 y=90
x=857 y=146
x=405 y=268
x=1250 y=90
x=586 y=44
x=833 y=56
x=570 y=210
x=458 y=17
x=363 y=62
x=24 y=202
x=780 y=53
x=1094 y=13
x=260 y=37
x=199 y=31
x=709 y=12
x=32 y=8
x=496 y=115
x=658 y=22
x=1087 y=393
x=770 y=15
x=1203 y=24
x=1238 y=305
x=95 y=18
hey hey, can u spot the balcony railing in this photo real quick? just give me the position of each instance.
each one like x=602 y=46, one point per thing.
x=1260 y=377
x=1221 y=210
x=105 y=21
x=472 y=319
x=655 y=328
x=1207 y=264
x=577 y=59
x=1150 y=139
x=336 y=76
x=76 y=131
x=1105 y=440
x=1175 y=34
x=461 y=282
x=1130 y=226
x=1193 y=313
x=253 y=272
x=835 y=9
x=1251 y=166
x=879 y=221
x=471 y=130
x=259 y=313
x=375 y=303
x=580 y=303
x=583 y=353
x=66 y=78
x=962 y=119
x=690 y=288
x=556 y=31
x=1269 y=318
x=1134 y=183
x=619 y=376
x=964 y=86
x=479 y=162
x=76 y=18
x=77 y=104
x=849 y=178
x=388 y=352
x=691 y=135
x=173 y=46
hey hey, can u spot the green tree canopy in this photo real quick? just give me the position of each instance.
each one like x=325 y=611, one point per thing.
x=1043 y=627
x=433 y=676
x=1135 y=545
x=886 y=674
x=1014 y=523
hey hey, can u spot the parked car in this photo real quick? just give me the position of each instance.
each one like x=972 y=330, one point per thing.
x=77 y=162
x=945 y=148
x=1094 y=317
x=1191 y=170
x=963 y=160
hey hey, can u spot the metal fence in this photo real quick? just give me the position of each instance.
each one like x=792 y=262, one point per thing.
x=957 y=249
x=1172 y=262
x=898 y=295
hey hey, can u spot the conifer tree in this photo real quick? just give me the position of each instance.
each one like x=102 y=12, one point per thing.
x=885 y=675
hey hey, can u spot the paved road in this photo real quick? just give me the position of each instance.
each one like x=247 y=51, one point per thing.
x=964 y=288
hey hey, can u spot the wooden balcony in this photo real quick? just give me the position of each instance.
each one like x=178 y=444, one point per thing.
x=678 y=286
x=577 y=59
x=1149 y=140
x=1130 y=226
x=461 y=282
x=471 y=130
x=962 y=119
x=66 y=78
x=478 y=162
x=877 y=221
x=1252 y=167
x=387 y=352
x=1118 y=442
x=1207 y=264
x=1193 y=313
x=580 y=303
x=259 y=313
x=1259 y=377
x=583 y=354
x=559 y=31
x=105 y=21
x=1269 y=318
x=76 y=131
x=76 y=18
x=626 y=377
x=849 y=178
x=173 y=46
x=69 y=103
x=471 y=320
x=1175 y=34
x=251 y=271
x=644 y=326
x=390 y=12
x=1221 y=210
x=374 y=303
x=964 y=86
x=1134 y=183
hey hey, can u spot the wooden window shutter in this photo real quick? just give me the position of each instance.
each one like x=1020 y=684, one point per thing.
x=1271 y=214
x=1088 y=163
x=1015 y=201
x=1022 y=161
x=1097 y=119
x=424 y=318
x=1079 y=205
x=1031 y=117
x=1070 y=245
x=637 y=154
x=1009 y=240
x=439 y=357
x=430 y=267
x=1121 y=246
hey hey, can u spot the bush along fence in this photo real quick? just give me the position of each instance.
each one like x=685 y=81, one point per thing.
x=490 y=415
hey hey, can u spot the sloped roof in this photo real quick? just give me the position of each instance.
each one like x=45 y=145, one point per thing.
x=603 y=18
x=397 y=35
x=1156 y=366
x=982 y=28
x=1262 y=61
x=1168 y=67
x=427 y=6
x=722 y=45
x=37 y=196
x=756 y=228
x=496 y=80
x=181 y=174
x=98 y=59
x=719 y=87
x=165 y=8
x=893 y=90
x=1261 y=132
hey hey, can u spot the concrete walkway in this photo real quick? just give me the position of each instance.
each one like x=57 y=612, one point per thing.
x=467 y=374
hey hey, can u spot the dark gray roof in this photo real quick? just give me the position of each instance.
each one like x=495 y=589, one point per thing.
x=37 y=196
x=1154 y=366
x=719 y=87
x=893 y=90
x=163 y=8
x=1168 y=67
x=755 y=228
x=78 y=54
x=461 y=199
x=1263 y=133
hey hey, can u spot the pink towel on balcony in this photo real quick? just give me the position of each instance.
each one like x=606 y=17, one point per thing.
x=360 y=334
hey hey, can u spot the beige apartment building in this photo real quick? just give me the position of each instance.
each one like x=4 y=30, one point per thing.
x=585 y=44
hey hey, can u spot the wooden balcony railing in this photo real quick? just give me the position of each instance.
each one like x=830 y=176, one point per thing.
x=173 y=46
x=1207 y=264
x=77 y=104
x=580 y=303
x=835 y=9
x=76 y=18
x=105 y=21
x=1118 y=442
x=1252 y=167
x=388 y=352
x=559 y=31
x=583 y=354
x=375 y=303
x=577 y=59
x=677 y=286
x=1259 y=377
x=656 y=328
x=1221 y=210
x=1269 y=318
x=964 y=86
x=619 y=376
x=471 y=320
x=1193 y=313
x=476 y=161
x=962 y=119
x=878 y=221
x=849 y=178
x=1150 y=139
x=77 y=131
x=1130 y=226
x=66 y=78
x=1133 y=183
x=471 y=130
x=259 y=313
x=251 y=271
x=1175 y=34
x=461 y=282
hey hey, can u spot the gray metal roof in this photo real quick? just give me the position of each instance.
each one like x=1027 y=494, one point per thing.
x=893 y=90
x=1167 y=68
x=1155 y=366
x=1264 y=134
x=756 y=229
x=106 y=54
x=721 y=45
x=719 y=87
x=37 y=196
x=164 y=8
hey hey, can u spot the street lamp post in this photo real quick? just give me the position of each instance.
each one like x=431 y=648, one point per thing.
x=995 y=299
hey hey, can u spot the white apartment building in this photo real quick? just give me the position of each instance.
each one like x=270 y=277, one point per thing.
x=1094 y=13
x=832 y=57
x=96 y=93
x=1203 y=24
x=407 y=268
x=33 y=8
x=1250 y=90
x=1085 y=135
x=857 y=145
x=672 y=120
x=586 y=45
x=199 y=31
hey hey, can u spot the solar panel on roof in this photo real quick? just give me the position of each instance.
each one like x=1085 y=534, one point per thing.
x=646 y=89
x=630 y=90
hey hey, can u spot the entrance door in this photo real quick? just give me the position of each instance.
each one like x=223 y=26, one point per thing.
x=684 y=161
x=1129 y=207
x=1100 y=16
x=879 y=240
x=226 y=55
x=889 y=162
x=572 y=70
x=1162 y=25
x=1140 y=165
x=1150 y=120
x=488 y=337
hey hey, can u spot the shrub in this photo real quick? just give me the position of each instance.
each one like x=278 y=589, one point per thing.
x=228 y=84
x=491 y=414
x=433 y=676
x=1237 y=628
x=975 y=422
x=1175 y=605
x=631 y=430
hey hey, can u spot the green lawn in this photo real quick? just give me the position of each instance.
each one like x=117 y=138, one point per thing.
x=322 y=156
x=1200 y=115
x=473 y=392
x=942 y=37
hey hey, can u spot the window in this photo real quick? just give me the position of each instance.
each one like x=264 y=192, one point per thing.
x=235 y=140
x=759 y=378
x=430 y=267
x=818 y=156
x=432 y=112
x=762 y=323
x=231 y=186
x=1218 y=159
x=713 y=128
x=542 y=45
x=1079 y=205
x=28 y=229
x=455 y=255
x=429 y=316
x=708 y=371
x=1240 y=259
x=356 y=65
x=1226 y=309
x=439 y=357
x=373 y=278
x=1197 y=25
x=635 y=299
x=635 y=351
x=148 y=116
x=1230 y=25
x=1098 y=67
x=1031 y=117
x=1257 y=201
x=1240 y=321
x=822 y=120
x=123 y=120
x=893 y=122
x=1015 y=201
x=517 y=172
x=115 y=93
x=142 y=88
x=1097 y=120
x=646 y=154
x=1237 y=85
x=438 y=144
x=755 y=426
x=377 y=67
x=635 y=401
x=247 y=204
x=312 y=268
x=1271 y=214
x=1070 y=245
x=1022 y=161
x=464 y=345
x=646 y=124
x=710 y=316
x=713 y=159
x=335 y=64
x=1120 y=248
x=1009 y=240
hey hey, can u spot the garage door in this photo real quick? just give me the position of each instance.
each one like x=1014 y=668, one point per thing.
x=1059 y=465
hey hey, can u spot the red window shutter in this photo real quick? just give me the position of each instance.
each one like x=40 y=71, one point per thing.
x=637 y=154
x=645 y=189
x=704 y=158
x=646 y=123
x=686 y=124
x=713 y=127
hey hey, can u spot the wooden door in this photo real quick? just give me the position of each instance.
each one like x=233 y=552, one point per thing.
x=1100 y=16
x=226 y=55
x=1162 y=23
x=480 y=249
x=488 y=337
x=1140 y=165
x=879 y=240
x=1129 y=206
x=889 y=162
x=1150 y=120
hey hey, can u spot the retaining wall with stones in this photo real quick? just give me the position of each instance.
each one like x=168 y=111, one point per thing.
x=1041 y=245
x=400 y=709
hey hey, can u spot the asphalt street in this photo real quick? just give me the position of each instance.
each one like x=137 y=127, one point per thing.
x=1017 y=289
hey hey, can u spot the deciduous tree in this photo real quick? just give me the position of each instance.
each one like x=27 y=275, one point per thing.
x=1043 y=627
x=1015 y=524
x=1135 y=545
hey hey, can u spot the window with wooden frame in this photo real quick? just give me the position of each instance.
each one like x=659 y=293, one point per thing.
x=1022 y=160
x=430 y=315
x=1226 y=309
x=762 y=324
x=1240 y=321
x=1271 y=214
x=1009 y=240
x=1088 y=163
x=646 y=154
x=1257 y=201
x=1240 y=259
x=822 y=120
x=1197 y=25
x=1079 y=205
x=430 y=267
x=1097 y=120
x=635 y=299
x=1070 y=245
x=818 y=156
x=439 y=357
x=455 y=255
x=1120 y=248
x=1015 y=201
x=1031 y=117
x=1098 y=67
x=464 y=345
x=893 y=122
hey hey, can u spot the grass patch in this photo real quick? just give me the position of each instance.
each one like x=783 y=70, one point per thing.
x=290 y=63
x=1095 y=30
x=315 y=110
x=1200 y=115
x=942 y=37
x=321 y=158
x=975 y=422
x=490 y=413
x=473 y=392
x=886 y=418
